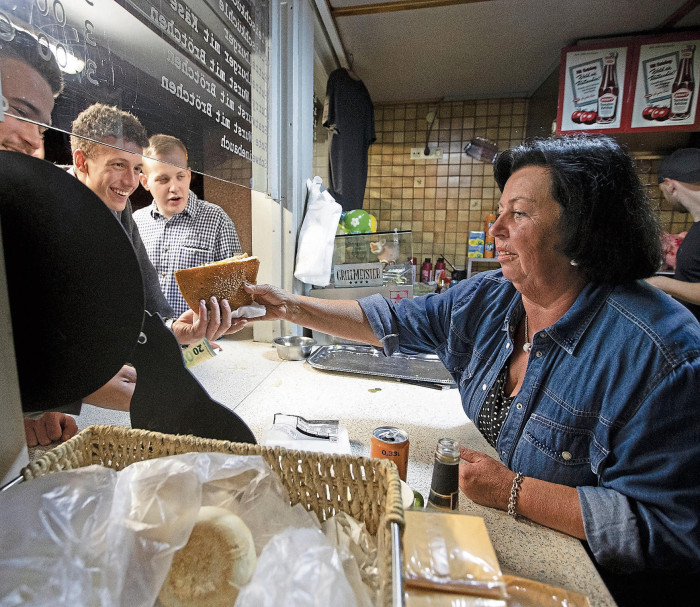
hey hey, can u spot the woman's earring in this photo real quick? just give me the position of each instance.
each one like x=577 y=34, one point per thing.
x=573 y=262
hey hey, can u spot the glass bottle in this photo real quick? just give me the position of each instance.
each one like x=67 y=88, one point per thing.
x=439 y=273
x=444 y=487
x=608 y=91
x=426 y=270
x=683 y=86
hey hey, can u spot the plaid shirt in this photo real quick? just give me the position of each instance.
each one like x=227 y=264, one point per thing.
x=200 y=234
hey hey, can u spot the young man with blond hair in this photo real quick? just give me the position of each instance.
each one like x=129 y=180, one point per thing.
x=178 y=229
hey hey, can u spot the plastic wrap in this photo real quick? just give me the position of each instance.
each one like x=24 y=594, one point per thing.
x=521 y=593
x=55 y=530
x=528 y=593
x=307 y=572
x=447 y=551
x=415 y=597
x=358 y=549
x=93 y=536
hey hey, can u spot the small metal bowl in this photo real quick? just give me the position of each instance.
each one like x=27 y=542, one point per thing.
x=293 y=347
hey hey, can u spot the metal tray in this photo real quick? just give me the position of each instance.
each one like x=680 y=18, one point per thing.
x=421 y=369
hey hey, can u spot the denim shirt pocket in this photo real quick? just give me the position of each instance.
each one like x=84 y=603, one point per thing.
x=561 y=453
x=457 y=356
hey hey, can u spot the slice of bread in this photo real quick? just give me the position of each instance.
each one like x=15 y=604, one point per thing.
x=217 y=560
x=223 y=279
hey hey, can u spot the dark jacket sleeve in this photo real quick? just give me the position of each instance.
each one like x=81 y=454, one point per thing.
x=155 y=300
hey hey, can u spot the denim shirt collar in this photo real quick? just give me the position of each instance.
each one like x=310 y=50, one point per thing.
x=570 y=328
x=568 y=331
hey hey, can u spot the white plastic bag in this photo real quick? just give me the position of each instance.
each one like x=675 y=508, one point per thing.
x=307 y=572
x=317 y=235
x=93 y=537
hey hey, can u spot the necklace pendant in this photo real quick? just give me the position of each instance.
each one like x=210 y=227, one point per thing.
x=527 y=346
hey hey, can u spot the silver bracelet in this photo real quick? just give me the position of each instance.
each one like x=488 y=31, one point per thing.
x=514 y=488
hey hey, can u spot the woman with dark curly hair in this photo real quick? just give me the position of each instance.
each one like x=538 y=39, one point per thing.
x=581 y=376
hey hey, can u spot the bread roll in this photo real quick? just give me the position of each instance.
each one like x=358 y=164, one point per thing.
x=222 y=279
x=217 y=560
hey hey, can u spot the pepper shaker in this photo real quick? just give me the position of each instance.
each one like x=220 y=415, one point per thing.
x=444 y=488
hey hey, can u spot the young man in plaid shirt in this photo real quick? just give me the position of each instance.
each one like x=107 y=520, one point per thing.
x=178 y=229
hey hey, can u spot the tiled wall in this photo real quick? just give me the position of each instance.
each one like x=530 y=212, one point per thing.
x=440 y=200
x=456 y=192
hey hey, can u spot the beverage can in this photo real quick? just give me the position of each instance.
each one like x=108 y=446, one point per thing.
x=489 y=246
x=391 y=443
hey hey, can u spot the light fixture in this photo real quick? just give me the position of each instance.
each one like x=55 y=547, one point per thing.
x=481 y=149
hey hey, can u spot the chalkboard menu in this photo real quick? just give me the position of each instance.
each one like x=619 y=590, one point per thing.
x=195 y=69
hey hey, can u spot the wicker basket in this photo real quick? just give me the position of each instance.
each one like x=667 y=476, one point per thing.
x=367 y=489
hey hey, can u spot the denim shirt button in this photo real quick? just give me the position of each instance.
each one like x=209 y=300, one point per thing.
x=566 y=455
x=507 y=346
x=484 y=387
x=519 y=406
x=538 y=354
x=503 y=453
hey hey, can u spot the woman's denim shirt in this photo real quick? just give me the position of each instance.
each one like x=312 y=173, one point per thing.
x=610 y=403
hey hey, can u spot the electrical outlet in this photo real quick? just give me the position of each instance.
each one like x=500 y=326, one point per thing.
x=419 y=154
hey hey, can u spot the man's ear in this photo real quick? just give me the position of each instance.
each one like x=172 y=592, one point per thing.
x=144 y=181
x=80 y=162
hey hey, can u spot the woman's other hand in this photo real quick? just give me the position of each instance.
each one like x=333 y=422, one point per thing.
x=484 y=480
x=488 y=482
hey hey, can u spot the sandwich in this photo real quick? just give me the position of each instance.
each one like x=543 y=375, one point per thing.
x=222 y=279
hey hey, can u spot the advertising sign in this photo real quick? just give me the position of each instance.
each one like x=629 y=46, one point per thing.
x=358 y=275
x=626 y=85
x=593 y=90
x=666 y=88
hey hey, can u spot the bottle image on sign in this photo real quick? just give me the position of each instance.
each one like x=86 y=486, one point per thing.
x=608 y=91
x=683 y=86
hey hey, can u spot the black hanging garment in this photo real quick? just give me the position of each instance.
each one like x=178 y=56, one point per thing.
x=349 y=112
